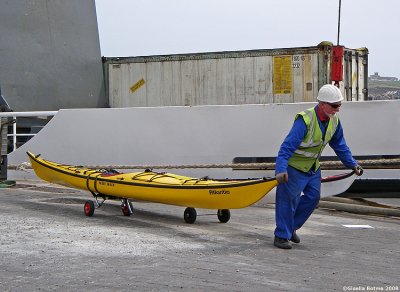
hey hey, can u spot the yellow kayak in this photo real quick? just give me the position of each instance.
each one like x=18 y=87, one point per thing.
x=165 y=188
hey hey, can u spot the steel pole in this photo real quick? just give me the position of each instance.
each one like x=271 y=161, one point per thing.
x=338 y=30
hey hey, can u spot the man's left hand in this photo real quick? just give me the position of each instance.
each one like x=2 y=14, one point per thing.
x=358 y=170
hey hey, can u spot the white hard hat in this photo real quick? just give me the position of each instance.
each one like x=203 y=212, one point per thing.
x=329 y=93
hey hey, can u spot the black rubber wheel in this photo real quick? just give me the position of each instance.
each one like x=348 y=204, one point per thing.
x=88 y=208
x=224 y=215
x=190 y=215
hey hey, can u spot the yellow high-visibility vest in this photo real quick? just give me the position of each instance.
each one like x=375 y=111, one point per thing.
x=313 y=143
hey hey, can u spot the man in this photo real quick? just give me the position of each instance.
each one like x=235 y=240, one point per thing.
x=297 y=165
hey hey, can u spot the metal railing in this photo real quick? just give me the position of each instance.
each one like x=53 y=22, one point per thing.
x=15 y=115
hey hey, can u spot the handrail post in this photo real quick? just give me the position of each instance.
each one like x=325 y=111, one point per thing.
x=14 y=134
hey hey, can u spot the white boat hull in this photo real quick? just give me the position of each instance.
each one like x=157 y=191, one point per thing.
x=201 y=135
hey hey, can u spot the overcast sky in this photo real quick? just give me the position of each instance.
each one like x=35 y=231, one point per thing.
x=158 y=27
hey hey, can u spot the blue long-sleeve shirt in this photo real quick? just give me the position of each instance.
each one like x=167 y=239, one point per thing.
x=296 y=136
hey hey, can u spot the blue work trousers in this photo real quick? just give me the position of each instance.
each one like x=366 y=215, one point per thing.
x=292 y=209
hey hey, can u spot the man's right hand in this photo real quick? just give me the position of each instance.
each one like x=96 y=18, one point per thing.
x=282 y=177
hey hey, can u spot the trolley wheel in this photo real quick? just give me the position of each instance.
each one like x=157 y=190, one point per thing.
x=224 y=215
x=89 y=208
x=125 y=209
x=190 y=215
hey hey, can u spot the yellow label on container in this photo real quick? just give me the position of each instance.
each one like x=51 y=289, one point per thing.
x=283 y=74
x=137 y=85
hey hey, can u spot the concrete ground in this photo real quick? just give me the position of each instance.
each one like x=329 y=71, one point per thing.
x=48 y=244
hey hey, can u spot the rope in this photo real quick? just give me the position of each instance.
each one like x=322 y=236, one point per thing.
x=392 y=163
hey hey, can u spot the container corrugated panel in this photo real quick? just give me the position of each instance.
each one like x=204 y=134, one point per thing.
x=355 y=74
x=222 y=78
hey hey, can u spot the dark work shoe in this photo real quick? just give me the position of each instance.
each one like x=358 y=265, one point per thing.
x=295 y=238
x=282 y=243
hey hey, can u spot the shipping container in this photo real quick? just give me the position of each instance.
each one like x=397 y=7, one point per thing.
x=286 y=75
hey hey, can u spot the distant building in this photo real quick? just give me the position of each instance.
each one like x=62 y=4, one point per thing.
x=50 y=55
x=376 y=77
